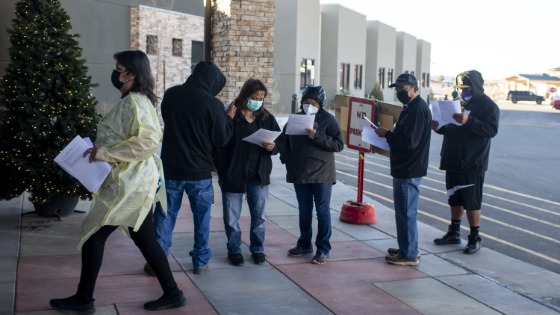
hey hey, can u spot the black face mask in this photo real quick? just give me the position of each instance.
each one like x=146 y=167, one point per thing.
x=403 y=97
x=115 y=79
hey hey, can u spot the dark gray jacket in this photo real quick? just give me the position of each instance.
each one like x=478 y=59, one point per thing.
x=310 y=161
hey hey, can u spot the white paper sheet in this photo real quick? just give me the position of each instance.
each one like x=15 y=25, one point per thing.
x=443 y=111
x=262 y=135
x=298 y=123
x=71 y=159
x=369 y=136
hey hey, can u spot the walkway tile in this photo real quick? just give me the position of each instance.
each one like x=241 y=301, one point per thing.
x=490 y=293
x=345 y=287
x=261 y=290
x=430 y=296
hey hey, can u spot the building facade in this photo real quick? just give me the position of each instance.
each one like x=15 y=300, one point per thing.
x=381 y=58
x=297 y=50
x=343 y=51
x=288 y=44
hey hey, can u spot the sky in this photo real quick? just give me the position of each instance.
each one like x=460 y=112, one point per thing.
x=499 y=38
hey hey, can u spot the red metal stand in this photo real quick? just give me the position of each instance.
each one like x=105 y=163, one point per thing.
x=358 y=212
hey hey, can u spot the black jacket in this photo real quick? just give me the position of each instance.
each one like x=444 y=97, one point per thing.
x=195 y=124
x=410 y=141
x=466 y=148
x=312 y=161
x=231 y=160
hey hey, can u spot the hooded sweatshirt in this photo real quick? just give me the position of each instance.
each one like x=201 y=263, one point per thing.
x=466 y=148
x=195 y=124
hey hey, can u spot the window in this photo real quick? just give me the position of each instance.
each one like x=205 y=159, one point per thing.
x=151 y=45
x=306 y=73
x=345 y=76
x=390 y=74
x=177 y=47
x=428 y=79
x=423 y=81
x=197 y=53
x=381 y=78
x=358 y=76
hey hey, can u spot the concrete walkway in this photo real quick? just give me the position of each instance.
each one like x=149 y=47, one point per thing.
x=39 y=261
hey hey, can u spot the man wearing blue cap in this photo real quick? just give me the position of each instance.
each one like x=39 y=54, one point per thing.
x=409 y=144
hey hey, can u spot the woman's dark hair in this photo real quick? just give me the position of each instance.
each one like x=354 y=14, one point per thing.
x=249 y=88
x=138 y=63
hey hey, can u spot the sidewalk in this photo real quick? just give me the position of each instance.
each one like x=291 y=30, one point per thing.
x=39 y=261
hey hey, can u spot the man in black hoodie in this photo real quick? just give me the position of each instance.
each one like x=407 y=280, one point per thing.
x=409 y=142
x=195 y=125
x=464 y=157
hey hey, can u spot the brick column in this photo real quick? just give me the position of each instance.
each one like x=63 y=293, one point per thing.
x=242 y=44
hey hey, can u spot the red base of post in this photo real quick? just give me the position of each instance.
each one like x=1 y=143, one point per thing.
x=357 y=213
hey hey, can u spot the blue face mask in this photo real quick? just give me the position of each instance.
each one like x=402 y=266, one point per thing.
x=466 y=94
x=254 y=105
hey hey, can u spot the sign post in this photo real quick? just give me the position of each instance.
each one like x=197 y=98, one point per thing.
x=358 y=212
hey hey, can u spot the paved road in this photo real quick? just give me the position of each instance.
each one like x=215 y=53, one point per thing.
x=521 y=205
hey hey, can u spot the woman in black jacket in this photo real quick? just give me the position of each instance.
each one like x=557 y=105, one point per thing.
x=244 y=168
x=310 y=167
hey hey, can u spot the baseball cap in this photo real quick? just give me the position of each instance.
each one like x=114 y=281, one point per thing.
x=405 y=79
x=465 y=82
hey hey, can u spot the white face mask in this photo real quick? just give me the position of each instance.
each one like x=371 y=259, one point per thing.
x=310 y=109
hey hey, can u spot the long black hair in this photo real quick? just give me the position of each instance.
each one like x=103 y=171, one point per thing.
x=249 y=88
x=138 y=63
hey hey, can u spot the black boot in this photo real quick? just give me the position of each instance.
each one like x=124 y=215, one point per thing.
x=473 y=245
x=451 y=237
x=166 y=302
x=71 y=304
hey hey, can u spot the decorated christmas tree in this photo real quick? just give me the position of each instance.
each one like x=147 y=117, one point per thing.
x=45 y=101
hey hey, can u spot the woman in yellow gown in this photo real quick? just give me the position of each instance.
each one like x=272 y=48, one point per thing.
x=128 y=138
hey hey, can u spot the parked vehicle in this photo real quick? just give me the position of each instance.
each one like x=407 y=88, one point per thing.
x=515 y=96
x=555 y=101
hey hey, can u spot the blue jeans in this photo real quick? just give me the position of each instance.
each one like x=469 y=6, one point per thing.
x=200 y=195
x=405 y=195
x=321 y=194
x=257 y=196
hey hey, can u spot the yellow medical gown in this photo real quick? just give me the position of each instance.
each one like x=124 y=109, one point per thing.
x=128 y=138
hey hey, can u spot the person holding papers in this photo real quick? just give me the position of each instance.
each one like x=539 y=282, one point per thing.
x=409 y=142
x=128 y=138
x=464 y=156
x=244 y=169
x=310 y=167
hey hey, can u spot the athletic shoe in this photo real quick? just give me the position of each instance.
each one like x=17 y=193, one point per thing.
x=298 y=251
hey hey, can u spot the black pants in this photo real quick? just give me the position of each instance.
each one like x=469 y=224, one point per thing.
x=145 y=240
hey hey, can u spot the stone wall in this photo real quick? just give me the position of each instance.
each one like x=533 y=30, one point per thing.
x=155 y=31
x=242 y=44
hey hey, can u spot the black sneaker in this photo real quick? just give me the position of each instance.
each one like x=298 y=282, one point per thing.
x=71 y=305
x=258 y=258
x=166 y=302
x=298 y=251
x=451 y=237
x=395 y=252
x=236 y=259
x=402 y=261
x=473 y=245
x=320 y=258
